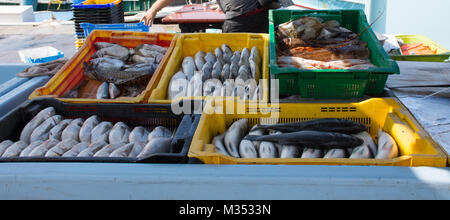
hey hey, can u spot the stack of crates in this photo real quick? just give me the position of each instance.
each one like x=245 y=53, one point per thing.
x=96 y=12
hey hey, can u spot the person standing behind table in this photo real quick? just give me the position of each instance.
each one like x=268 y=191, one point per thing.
x=249 y=16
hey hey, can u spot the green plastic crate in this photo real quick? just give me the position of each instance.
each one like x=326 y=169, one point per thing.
x=332 y=84
x=138 y=5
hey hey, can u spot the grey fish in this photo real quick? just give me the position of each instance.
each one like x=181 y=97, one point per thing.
x=227 y=88
x=239 y=88
x=312 y=139
x=255 y=56
x=217 y=71
x=87 y=127
x=101 y=132
x=245 y=54
x=105 y=64
x=279 y=147
x=35 y=122
x=236 y=58
x=212 y=87
x=267 y=150
x=368 y=141
x=218 y=142
x=43 y=69
x=227 y=53
x=324 y=124
x=199 y=60
x=387 y=147
x=42 y=149
x=139 y=134
x=4 y=145
x=25 y=152
x=188 y=66
x=254 y=69
x=226 y=71
x=336 y=153
x=152 y=47
x=219 y=55
x=150 y=54
x=244 y=73
x=137 y=149
x=234 y=71
x=312 y=153
x=250 y=87
x=361 y=152
x=159 y=132
x=247 y=149
x=195 y=85
x=123 y=151
x=154 y=146
x=61 y=148
x=72 y=130
x=74 y=151
x=256 y=132
x=57 y=131
x=15 y=149
x=207 y=71
x=210 y=58
x=234 y=135
x=141 y=59
x=114 y=91
x=92 y=149
x=101 y=45
x=41 y=133
x=108 y=149
x=114 y=51
x=120 y=133
x=177 y=86
x=103 y=91
x=289 y=151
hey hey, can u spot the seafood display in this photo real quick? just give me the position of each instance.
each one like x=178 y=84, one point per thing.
x=50 y=135
x=320 y=138
x=222 y=72
x=312 y=43
x=122 y=71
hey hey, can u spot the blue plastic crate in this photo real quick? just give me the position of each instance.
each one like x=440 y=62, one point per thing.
x=40 y=55
x=138 y=27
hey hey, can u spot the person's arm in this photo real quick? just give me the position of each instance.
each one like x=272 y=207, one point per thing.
x=151 y=13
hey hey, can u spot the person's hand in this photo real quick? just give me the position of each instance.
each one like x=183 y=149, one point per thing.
x=148 y=17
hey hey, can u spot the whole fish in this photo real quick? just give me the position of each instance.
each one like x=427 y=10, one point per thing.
x=35 y=122
x=74 y=151
x=152 y=47
x=289 y=151
x=217 y=71
x=368 y=141
x=239 y=89
x=207 y=71
x=120 y=133
x=106 y=64
x=324 y=124
x=219 y=146
x=219 y=55
x=227 y=53
x=227 y=88
x=115 y=51
x=87 y=127
x=361 y=152
x=123 y=151
x=250 y=87
x=4 y=145
x=25 y=152
x=254 y=69
x=247 y=149
x=72 y=130
x=236 y=57
x=387 y=147
x=15 y=149
x=139 y=134
x=267 y=150
x=137 y=149
x=212 y=87
x=278 y=146
x=244 y=73
x=188 y=66
x=210 y=58
x=245 y=54
x=101 y=45
x=226 y=71
x=256 y=132
x=56 y=132
x=92 y=149
x=61 y=148
x=108 y=149
x=336 y=153
x=42 y=149
x=312 y=153
x=41 y=133
x=312 y=139
x=103 y=91
x=155 y=55
x=154 y=146
x=234 y=135
x=159 y=132
x=141 y=59
x=255 y=56
x=199 y=60
x=101 y=132
x=177 y=86
x=195 y=85
x=114 y=91
x=234 y=71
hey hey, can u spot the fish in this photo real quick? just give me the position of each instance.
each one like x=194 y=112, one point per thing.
x=35 y=122
x=217 y=71
x=195 y=85
x=123 y=151
x=72 y=130
x=368 y=141
x=234 y=71
x=42 y=149
x=236 y=58
x=289 y=151
x=311 y=139
x=141 y=59
x=244 y=73
x=278 y=146
x=245 y=54
x=115 y=51
x=87 y=127
x=199 y=60
x=137 y=149
x=101 y=45
x=61 y=148
x=225 y=72
x=255 y=95
x=254 y=69
x=178 y=86
x=227 y=88
x=256 y=132
x=249 y=90
x=74 y=151
x=152 y=47
x=239 y=89
x=210 y=58
x=103 y=91
x=188 y=66
x=41 y=133
x=267 y=150
x=15 y=149
x=114 y=91
x=323 y=124
x=56 y=132
x=159 y=131
x=233 y=136
x=255 y=56
x=247 y=149
x=227 y=53
x=108 y=149
x=149 y=54
x=361 y=152
x=207 y=71
x=25 y=152
x=219 y=146
x=387 y=147
x=312 y=153
x=92 y=149
x=101 y=132
x=219 y=55
x=336 y=153
x=43 y=69
x=212 y=87
x=4 y=145
x=120 y=133
x=155 y=146
x=138 y=134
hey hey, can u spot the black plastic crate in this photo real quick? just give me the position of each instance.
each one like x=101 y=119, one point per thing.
x=147 y=115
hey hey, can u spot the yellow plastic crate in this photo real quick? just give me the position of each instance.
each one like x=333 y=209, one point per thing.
x=190 y=44
x=71 y=74
x=79 y=43
x=416 y=148
x=442 y=52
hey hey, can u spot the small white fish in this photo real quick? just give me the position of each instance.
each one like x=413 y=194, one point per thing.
x=289 y=152
x=250 y=87
x=361 y=152
x=61 y=148
x=195 y=85
x=178 y=86
x=56 y=132
x=120 y=133
x=4 y=145
x=76 y=150
x=387 y=147
x=239 y=89
x=35 y=122
x=212 y=87
x=92 y=149
x=137 y=149
x=312 y=153
x=114 y=91
x=218 y=142
x=139 y=134
x=267 y=150
x=30 y=148
x=88 y=126
x=227 y=88
x=247 y=149
x=101 y=132
x=108 y=149
x=159 y=131
x=72 y=131
x=154 y=146
x=123 y=151
x=41 y=133
x=42 y=149
x=234 y=135
x=368 y=141
x=336 y=153
x=15 y=149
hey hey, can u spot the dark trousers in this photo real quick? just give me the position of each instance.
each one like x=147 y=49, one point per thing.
x=257 y=23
